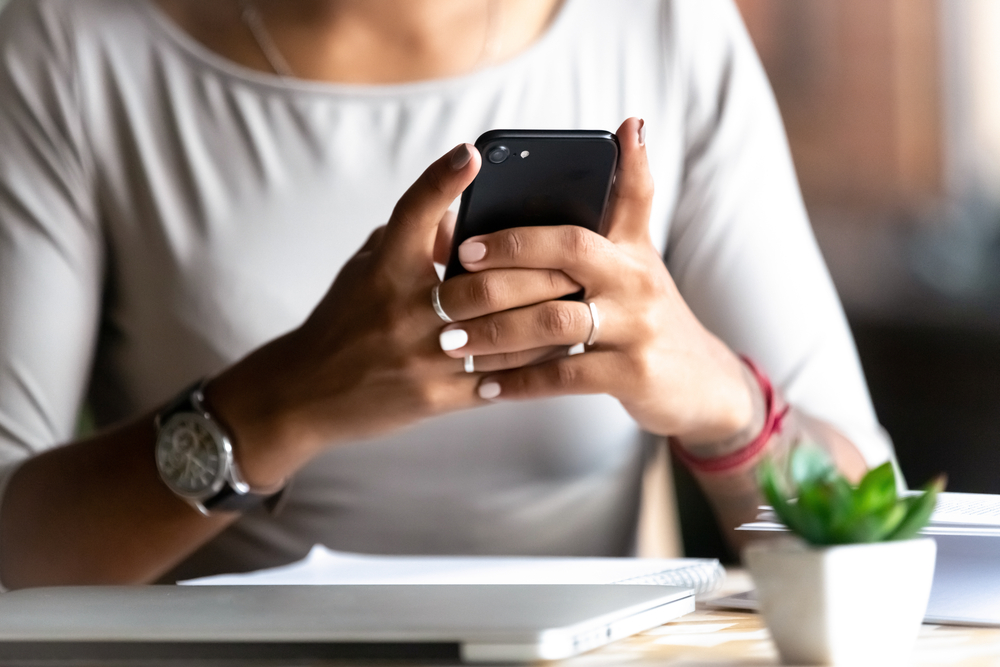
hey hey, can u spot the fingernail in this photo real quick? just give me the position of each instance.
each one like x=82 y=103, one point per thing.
x=452 y=339
x=460 y=156
x=489 y=390
x=471 y=252
x=642 y=132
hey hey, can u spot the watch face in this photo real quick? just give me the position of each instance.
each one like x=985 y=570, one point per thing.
x=191 y=455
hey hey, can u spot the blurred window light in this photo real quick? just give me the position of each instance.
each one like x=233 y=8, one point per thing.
x=972 y=100
x=892 y=109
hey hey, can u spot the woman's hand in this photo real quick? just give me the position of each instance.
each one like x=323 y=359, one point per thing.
x=368 y=359
x=670 y=373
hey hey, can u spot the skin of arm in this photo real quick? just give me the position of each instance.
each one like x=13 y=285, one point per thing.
x=734 y=494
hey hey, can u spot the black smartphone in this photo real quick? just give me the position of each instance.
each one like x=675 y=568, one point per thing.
x=537 y=177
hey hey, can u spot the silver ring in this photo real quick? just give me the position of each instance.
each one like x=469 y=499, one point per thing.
x=436 y=302
x=470 y=364
x=596 y=323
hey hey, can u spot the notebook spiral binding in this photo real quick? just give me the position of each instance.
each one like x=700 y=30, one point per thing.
x=703 y=577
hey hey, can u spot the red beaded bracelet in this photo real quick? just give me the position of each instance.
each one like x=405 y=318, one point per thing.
x=772 y=425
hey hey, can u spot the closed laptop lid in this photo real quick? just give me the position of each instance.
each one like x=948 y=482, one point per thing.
x=472 y=622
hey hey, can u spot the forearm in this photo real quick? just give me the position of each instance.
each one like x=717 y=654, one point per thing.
x=96 y=512
x=733 y=490
x=734 y=494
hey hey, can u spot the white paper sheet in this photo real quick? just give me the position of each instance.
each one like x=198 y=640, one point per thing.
x=325 y=566
x=967 y=509
x=954 y=514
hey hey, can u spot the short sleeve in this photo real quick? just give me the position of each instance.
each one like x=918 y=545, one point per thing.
x=51 y=248
x=741 y=248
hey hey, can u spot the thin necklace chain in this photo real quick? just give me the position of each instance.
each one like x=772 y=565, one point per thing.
x=254 y=22
x=492 y=37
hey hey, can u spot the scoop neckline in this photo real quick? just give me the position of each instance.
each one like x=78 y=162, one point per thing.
x=205 y=56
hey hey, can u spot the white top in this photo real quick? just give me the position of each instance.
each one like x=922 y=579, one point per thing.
x=164 y=211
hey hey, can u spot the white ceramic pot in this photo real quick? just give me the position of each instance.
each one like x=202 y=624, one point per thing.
x=856 y=604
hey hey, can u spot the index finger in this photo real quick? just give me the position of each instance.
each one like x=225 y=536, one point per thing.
x=576 y=251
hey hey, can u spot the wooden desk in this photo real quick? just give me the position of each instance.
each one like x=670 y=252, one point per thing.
x=721 y=637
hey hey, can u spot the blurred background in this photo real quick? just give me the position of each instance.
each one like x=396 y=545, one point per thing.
x=893 y=113
x=892 y=109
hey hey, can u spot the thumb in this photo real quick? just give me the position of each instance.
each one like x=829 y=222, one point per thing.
x=632 y=194
x=445 y=233
x=409 y=236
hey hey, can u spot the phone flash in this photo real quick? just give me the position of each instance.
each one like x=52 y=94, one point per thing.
x=525 y=153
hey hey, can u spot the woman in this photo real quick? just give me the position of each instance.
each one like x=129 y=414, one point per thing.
x=181 y=182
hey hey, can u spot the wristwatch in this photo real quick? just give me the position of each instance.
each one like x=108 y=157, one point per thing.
x=194 y=456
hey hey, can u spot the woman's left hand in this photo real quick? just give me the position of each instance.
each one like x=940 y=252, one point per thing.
x=651 y=353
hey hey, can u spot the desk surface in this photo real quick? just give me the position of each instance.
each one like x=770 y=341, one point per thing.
x=721 y=638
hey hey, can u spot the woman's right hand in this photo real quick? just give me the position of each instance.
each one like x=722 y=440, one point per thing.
x=368 y=359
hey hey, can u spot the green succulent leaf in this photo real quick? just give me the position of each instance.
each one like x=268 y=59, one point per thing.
x=844 y=509
x=816 y=502
x=873 y=527
x=777 y=494
x=810 y=464
x=877 y=489
x=918 y=511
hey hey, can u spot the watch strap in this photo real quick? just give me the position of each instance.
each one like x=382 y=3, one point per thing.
x=230 y=498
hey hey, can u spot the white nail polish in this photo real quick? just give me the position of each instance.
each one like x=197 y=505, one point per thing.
x=453 y=339
x=489 y=390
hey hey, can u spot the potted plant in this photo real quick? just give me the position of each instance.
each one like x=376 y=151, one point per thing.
x=851 y=587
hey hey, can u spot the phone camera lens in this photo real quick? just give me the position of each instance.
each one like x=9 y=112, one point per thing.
x=498 y=154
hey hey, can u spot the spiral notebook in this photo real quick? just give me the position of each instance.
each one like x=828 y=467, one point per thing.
x=324 y=566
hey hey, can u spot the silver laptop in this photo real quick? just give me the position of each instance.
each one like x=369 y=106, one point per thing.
x=472 y=623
